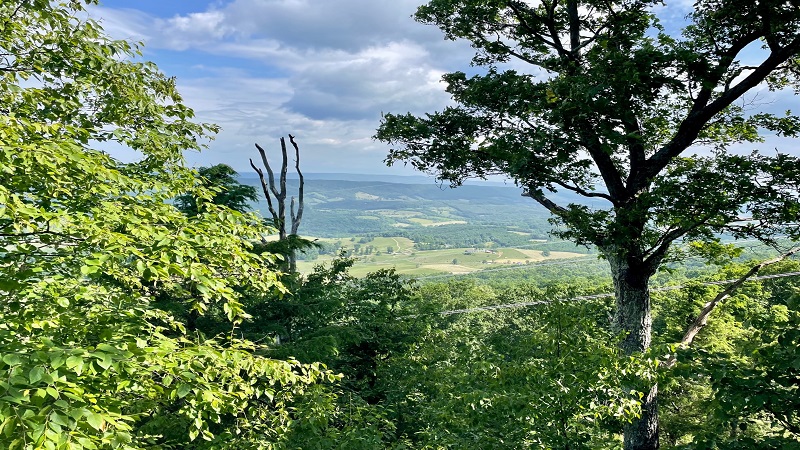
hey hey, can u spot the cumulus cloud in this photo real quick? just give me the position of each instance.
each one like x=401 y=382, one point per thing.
x=347 y=25
x=323 y=71
x=251 y=109
x=394 y=77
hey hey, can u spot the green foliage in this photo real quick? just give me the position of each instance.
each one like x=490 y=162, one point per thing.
x=748 y=367
x=539 y=377
x=220 y=180
x=725 y=391
x=88 y=242
x=352 y=326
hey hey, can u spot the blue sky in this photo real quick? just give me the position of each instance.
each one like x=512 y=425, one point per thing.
x=322 y=70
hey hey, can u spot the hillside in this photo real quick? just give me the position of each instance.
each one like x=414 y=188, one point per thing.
x=338 y=208
x=423 y=228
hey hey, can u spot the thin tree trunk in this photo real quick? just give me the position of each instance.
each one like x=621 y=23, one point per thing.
x=633 y=318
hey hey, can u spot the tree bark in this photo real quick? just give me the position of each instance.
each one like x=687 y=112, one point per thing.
x=633 y=318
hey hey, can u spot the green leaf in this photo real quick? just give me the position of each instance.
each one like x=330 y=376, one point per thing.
x=104 y=360
x=12 y=359
x=36 y=374
x=60 y=419
x=75 y=363
x=183 y=390
x=94 y=420
x=88 y=270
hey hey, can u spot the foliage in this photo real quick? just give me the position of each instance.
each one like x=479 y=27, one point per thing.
x=221 y=181
x=537 y=377
x=349 y=324
x=745 y=370
x=89 y=242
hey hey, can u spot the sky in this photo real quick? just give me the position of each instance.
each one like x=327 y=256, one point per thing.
x=321 y=70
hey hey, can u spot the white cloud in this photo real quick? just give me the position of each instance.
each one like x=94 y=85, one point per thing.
x=393 y=77
x=128 y=24
x=193 y=30
x=331 y=69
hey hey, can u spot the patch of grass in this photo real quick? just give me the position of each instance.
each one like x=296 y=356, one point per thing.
x=398 y=244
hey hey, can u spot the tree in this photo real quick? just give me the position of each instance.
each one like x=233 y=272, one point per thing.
x=605 y=102
x=290 y=240
x=221 y=180
x=89 y=242
x=351 y=325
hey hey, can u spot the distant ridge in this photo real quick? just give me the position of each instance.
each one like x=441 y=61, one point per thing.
x=420 y=187
x=401 y=179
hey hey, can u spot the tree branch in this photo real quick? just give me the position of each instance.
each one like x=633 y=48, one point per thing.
x=702 y=318
x=551 y=26
x=699 y=116
x=636 y=151
x=544 y=201
x=574 y=29
x=299 y=216
x=585 y=193
x=266 y=190
x=518 y=14
x=603 y=161
x=269 y=170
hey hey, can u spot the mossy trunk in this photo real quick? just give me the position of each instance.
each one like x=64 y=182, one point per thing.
x=634 y=320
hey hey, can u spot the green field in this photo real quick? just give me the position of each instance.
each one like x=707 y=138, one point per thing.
x=407 y=260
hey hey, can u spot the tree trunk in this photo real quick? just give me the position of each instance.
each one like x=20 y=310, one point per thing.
x=633 y=318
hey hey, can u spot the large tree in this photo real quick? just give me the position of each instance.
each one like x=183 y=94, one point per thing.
x=600 y=99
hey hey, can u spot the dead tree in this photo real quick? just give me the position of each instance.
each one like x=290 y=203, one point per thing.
x=278 y=193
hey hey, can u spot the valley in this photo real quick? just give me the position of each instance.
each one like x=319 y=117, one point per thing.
x=424 y=229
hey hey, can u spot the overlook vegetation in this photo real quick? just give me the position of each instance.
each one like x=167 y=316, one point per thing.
x=141 y=309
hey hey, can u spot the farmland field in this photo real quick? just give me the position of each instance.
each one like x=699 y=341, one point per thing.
x=407 y=260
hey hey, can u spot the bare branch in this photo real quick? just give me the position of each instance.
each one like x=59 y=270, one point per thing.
x=297 y=218
x=266 y=191
x=702 y=318
x=269 y=170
